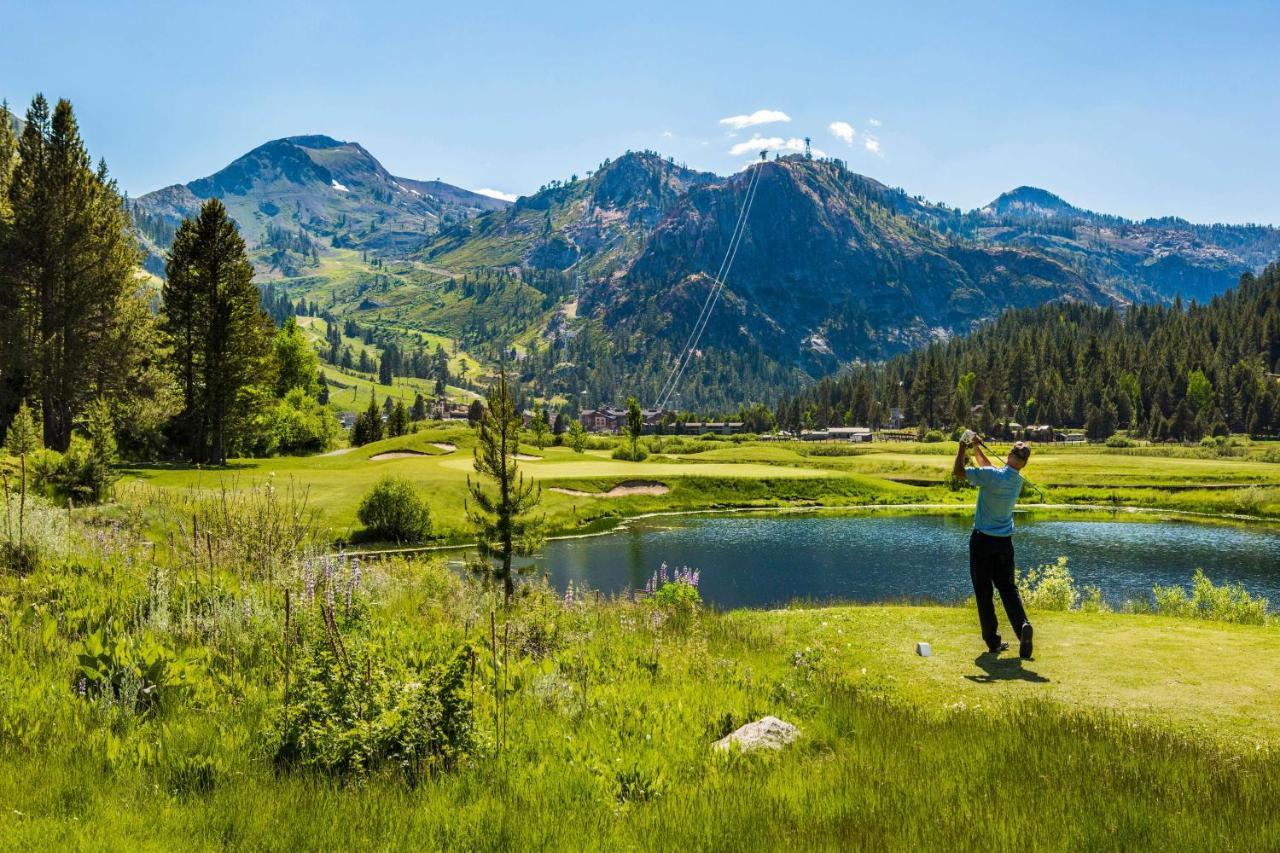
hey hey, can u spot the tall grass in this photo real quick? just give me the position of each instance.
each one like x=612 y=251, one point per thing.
x=592 y=723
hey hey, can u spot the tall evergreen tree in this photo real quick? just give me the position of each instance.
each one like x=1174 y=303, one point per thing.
x=503 y=524
x=67 y=264
x=221 y=336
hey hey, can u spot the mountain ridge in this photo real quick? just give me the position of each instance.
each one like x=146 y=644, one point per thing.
x=312 y=187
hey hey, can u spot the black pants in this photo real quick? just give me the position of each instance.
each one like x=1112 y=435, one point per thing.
x=991 y=566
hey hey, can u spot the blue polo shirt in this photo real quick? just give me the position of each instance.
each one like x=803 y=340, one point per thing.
x=998 y=490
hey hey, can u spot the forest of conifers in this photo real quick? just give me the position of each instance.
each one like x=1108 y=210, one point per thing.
x=1164 y=372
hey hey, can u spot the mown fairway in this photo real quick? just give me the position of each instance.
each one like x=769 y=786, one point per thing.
x=717 y=475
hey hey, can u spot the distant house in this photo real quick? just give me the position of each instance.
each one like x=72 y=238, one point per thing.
x=453 y=412
x=347 y=419
x=1075 y=438
x=896 y=418
x=1043 y=433
x=850 y=433
x=603 y=419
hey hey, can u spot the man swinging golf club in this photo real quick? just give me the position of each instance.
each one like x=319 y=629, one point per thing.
x=991 y=543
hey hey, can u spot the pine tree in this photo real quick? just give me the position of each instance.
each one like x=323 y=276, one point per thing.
x=21 y=440
x=398 y=421
x=68 y=263
x=221 y=336
x=635 y=425
x=385 y=374
x=502 y=522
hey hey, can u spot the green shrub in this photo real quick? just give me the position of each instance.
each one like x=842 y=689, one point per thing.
x=139 y=673
x=297 y=425
x=350 y=715
x=392 y=510
x=1119 y=440
x=678 y=595
x=1093 y=602
x=32 y=533
x=1049 y=587
x=1226 y=603
x=87 y=472
x=624 y=453
x=933 y=436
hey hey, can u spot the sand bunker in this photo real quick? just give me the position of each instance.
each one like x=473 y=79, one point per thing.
x=630 y=487
x=397 y=454
x=444 y=445
x=525 y=457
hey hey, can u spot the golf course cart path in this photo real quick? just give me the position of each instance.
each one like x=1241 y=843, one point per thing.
x=627 y=487
x=1210 y=679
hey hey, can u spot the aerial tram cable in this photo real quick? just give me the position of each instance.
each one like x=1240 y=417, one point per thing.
x=709 y=306
x=706 y=304
x=704 y=316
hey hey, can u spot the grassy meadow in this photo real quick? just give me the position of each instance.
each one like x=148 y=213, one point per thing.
x=143 y=701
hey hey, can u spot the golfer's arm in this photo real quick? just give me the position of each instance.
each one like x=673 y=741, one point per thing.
x=980 y=457
x=957 y=470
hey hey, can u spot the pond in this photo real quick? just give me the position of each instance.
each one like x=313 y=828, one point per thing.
x=768 y=561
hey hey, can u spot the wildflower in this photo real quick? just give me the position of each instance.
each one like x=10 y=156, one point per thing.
x=568 y=595
x=308 y=582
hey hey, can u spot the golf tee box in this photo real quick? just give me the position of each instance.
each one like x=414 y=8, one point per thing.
x=924 y=650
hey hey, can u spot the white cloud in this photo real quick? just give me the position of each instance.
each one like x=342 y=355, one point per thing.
x=497 y=194
x=755 y=143
x=773 y=143
x=874 y=122
x=666 y=134
x=843 y=131
x=757 y=117
x=873 y=145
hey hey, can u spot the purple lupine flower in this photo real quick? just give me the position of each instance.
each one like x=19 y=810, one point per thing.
x=568 y=595
x=308 y=582
x=355 y=573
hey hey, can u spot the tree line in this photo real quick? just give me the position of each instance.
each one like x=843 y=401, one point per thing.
x=1160 y=371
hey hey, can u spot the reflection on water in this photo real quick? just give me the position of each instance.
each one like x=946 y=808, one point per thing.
x=763 y=562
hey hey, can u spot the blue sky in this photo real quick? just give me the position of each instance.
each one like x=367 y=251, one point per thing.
x=1132 y=108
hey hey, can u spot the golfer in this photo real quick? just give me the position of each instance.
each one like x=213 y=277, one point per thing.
x=991 y=543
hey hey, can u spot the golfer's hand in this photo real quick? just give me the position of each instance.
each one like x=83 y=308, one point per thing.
x=968 y=437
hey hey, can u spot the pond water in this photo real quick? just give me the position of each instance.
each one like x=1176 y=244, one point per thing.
x=768 y=561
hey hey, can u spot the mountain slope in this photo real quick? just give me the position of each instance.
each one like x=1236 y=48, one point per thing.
x=1155 y=259
x=600 y=220
x=827 y=272
x=293 y=197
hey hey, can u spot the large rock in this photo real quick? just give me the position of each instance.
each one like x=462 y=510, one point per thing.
x=764 y=733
